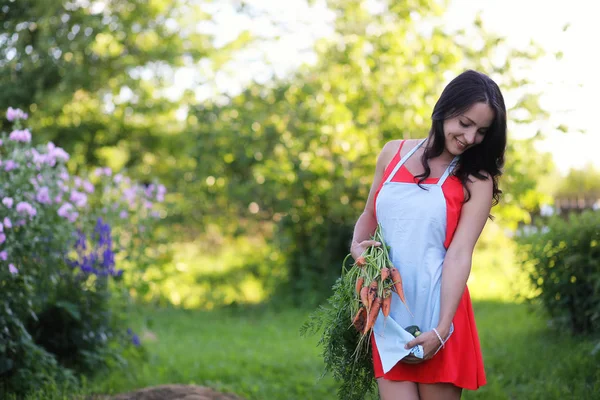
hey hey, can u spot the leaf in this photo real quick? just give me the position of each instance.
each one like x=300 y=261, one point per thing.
x=71 y=308
x=6 y=364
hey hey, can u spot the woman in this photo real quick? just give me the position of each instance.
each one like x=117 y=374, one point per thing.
x=432 y=198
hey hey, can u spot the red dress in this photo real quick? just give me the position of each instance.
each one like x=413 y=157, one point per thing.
x=460 y=362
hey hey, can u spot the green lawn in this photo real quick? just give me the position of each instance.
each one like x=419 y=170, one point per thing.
x=258 y=354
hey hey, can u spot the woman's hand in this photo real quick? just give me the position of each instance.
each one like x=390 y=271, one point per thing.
x=430 y=342
x=357 y=249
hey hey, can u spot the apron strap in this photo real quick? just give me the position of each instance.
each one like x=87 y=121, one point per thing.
x=403 y=160
x=448 y=171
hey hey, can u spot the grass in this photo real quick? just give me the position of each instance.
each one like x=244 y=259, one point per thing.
x=258 y=354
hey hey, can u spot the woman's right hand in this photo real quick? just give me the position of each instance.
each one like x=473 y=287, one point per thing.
x=358 y=248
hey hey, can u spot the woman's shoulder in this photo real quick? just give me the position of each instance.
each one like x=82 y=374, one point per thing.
x=393 y=146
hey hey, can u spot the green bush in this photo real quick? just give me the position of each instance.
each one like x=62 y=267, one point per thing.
x=62 y=237
x=563 y=263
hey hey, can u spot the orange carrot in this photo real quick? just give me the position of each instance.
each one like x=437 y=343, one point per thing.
x=385 y=272
x=372 y=315
x=360 y=320
x=364 y=295
x=386 y=303
x=359 y=284
x=397 y=279
x=372 y=294
x=360 y=261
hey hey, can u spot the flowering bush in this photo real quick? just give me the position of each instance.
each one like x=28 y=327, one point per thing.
x=62 y=240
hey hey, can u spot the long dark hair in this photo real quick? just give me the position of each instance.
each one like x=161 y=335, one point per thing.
x=460 y=94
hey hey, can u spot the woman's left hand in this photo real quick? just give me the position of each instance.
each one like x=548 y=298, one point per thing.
x=430 y=342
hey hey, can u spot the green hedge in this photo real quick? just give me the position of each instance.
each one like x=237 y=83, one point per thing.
x=563 y=264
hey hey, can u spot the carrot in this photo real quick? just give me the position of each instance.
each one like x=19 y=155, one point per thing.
x=385 y=272
x=372 y=316
x=360 y=320
x=397 y=279
x=371 y=294
x=360 y=261
x=359 y=284
x=386 y=303
x=364 y=295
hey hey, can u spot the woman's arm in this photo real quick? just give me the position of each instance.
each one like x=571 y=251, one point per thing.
x=366 y=224
x=457 y=263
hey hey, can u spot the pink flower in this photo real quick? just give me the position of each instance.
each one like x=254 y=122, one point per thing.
x=7 y=223
x=78 y=198
x=10 y=165
x=15 y=113
x=56 y=153
x=67 y=211
x=24 y=207
x=2 y=238
x=160 y=193
x=20 y=136
x=3 y=255
x=88 y=187
x=7 y=201
x=43 y=196
x=13 y=270
x=107 y=171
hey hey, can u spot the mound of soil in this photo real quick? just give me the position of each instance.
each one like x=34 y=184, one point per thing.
x=175 y=392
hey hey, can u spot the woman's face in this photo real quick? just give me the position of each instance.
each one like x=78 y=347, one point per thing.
x=468 y=128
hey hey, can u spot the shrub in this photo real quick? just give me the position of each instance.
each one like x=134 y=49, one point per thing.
x=62 y=237
x=563 y=263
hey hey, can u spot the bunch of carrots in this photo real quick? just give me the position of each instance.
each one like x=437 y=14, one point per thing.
x=376 y=277
x=363 y=289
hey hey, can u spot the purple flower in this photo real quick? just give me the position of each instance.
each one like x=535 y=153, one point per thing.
x=107 y=171
x=3 y=255
x=78 y=198
x=20 y=136
x=64 y=175
x=13 y=270
x=10 y=165
x=8 y=202
x=160 y=193
x=15 y=113
x=123 y=214
x=56 y=153
x=1 y=142
x=24 y=207
x=43 y=195
x=118 y=178
x=135 y=339
x=88 y=187
x=67 y=211
x=7 y=223
x=1 y=227
x=2 y=238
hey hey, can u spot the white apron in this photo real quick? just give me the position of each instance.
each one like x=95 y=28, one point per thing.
x=413 y=222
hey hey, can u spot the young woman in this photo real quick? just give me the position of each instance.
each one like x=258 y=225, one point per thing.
x=432 y=198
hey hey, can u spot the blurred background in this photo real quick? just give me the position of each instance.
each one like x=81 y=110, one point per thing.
x=263 y=119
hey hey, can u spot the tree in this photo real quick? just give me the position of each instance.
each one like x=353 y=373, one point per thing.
x=301 y=153
x=94 y=74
